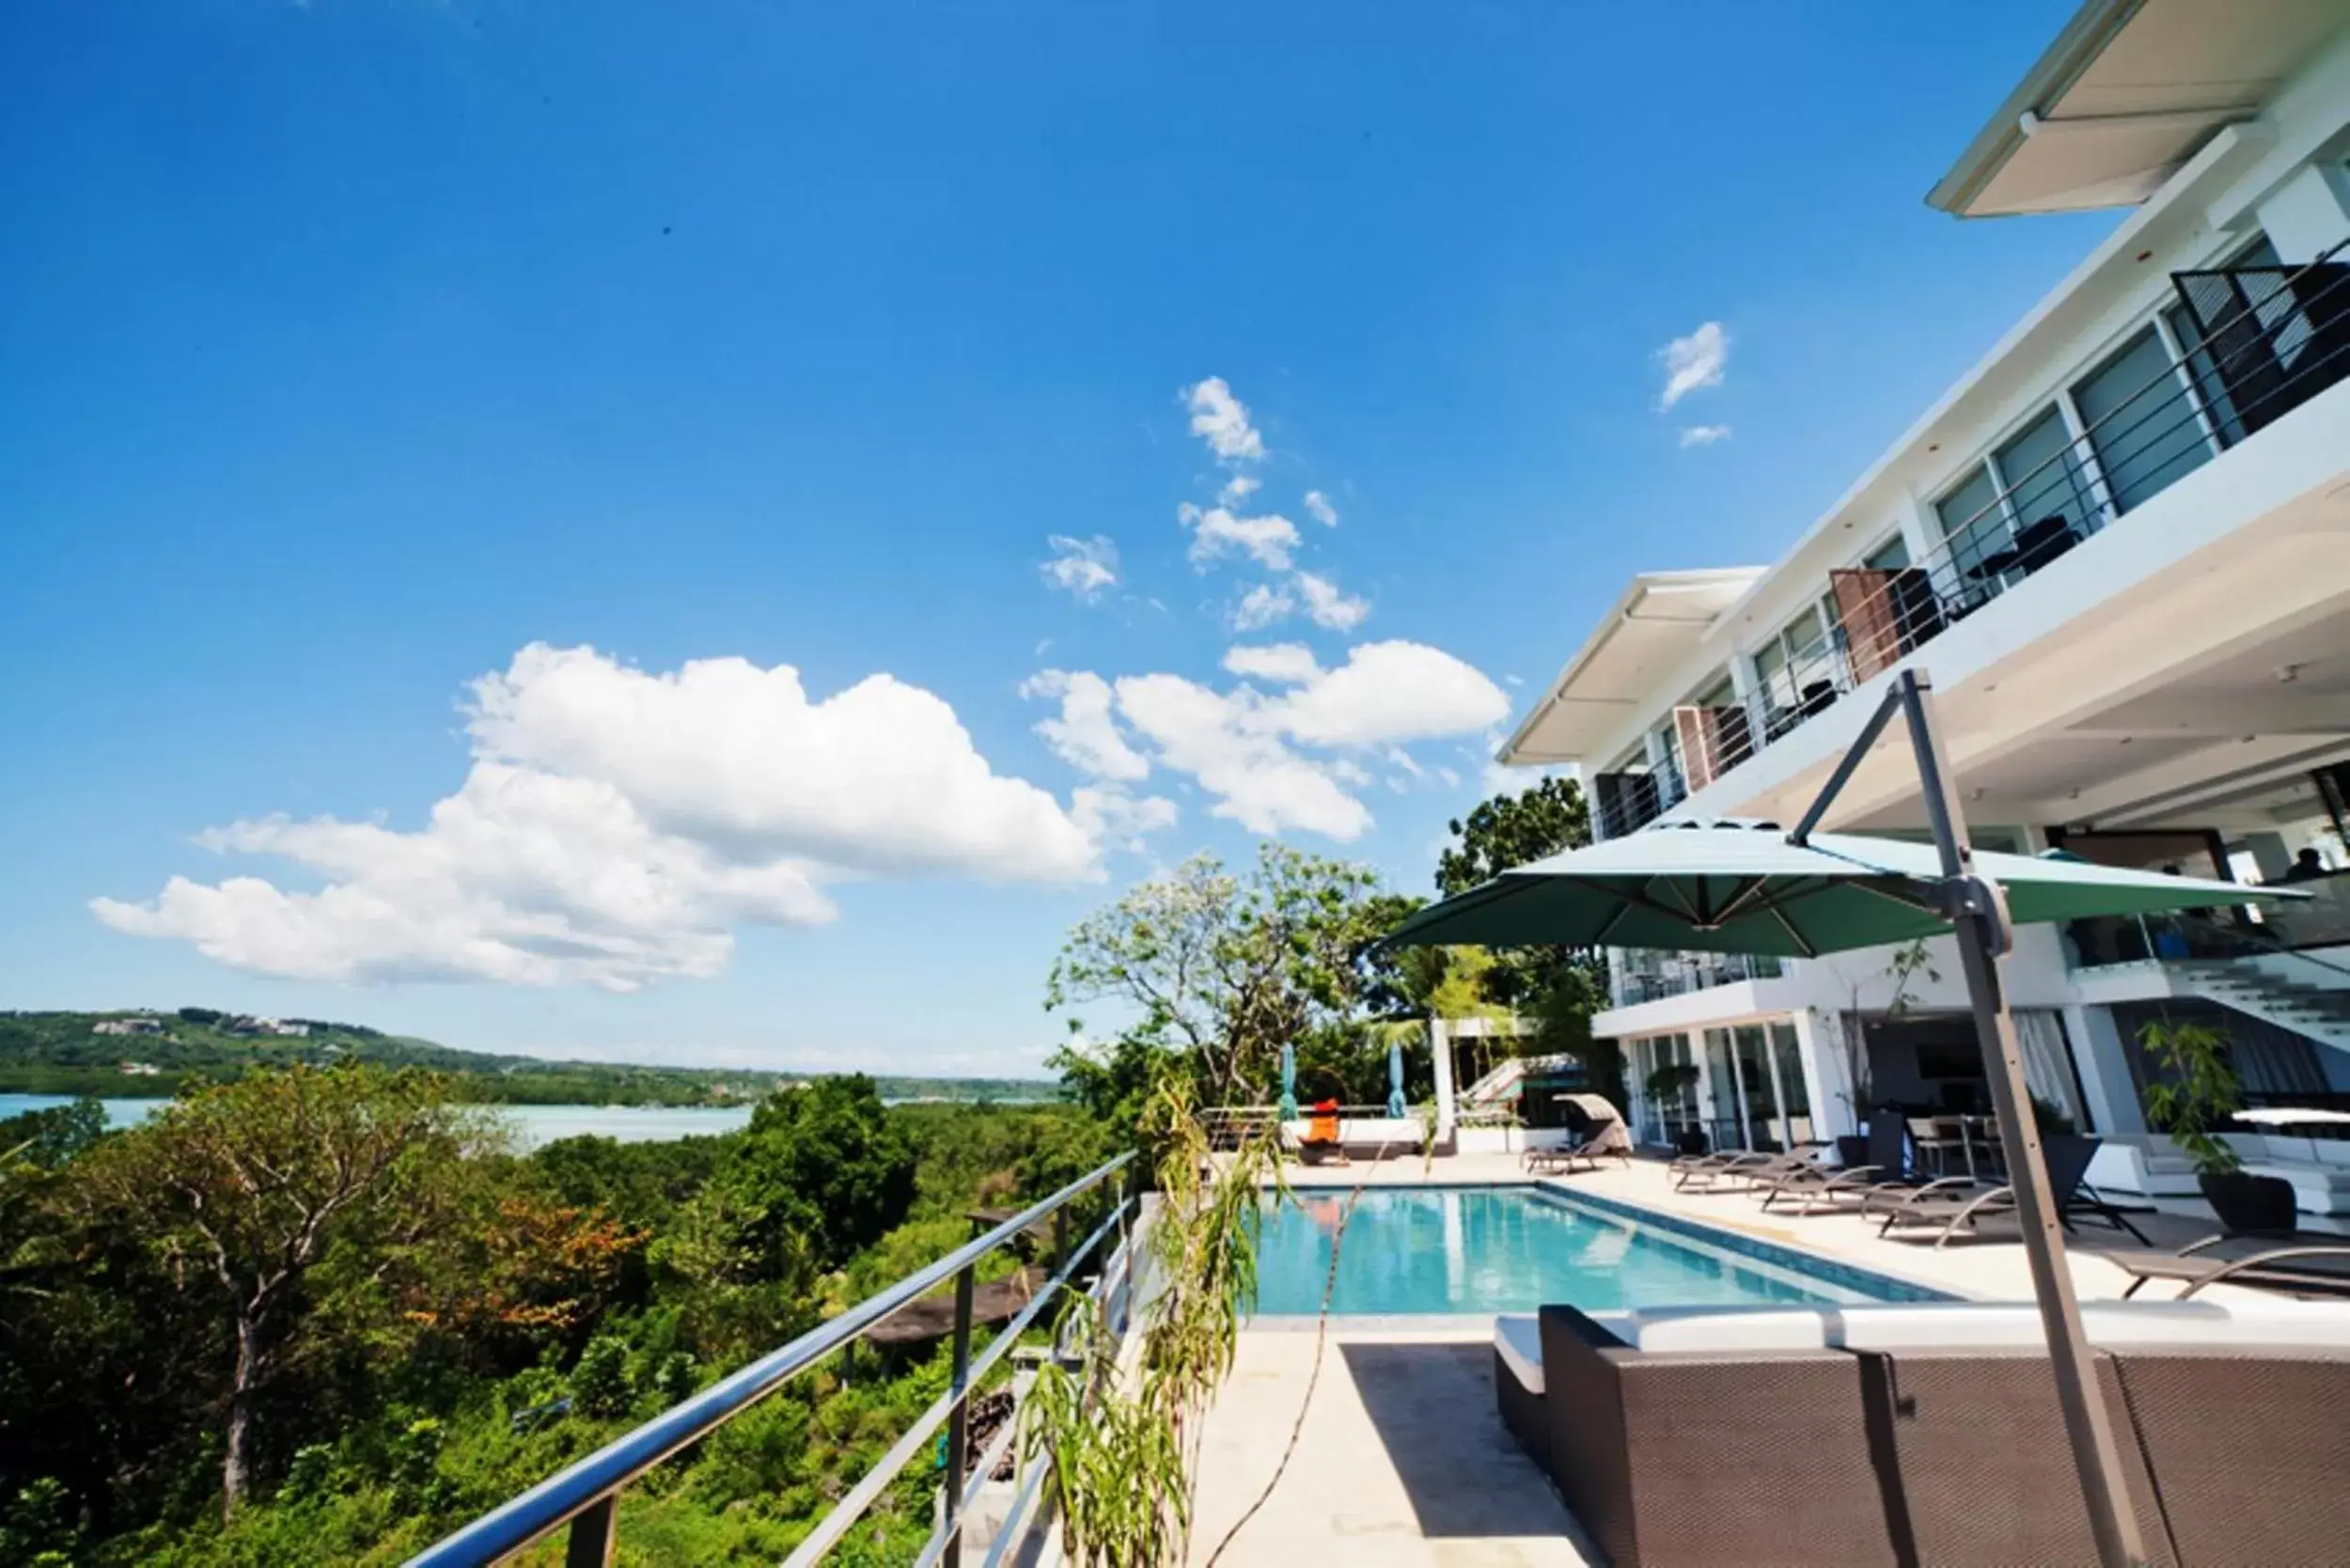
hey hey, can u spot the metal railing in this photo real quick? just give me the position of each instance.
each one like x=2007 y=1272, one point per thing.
x=1679 y=974
x=585 y=1495
x=2268 y=339
x=1627 y=802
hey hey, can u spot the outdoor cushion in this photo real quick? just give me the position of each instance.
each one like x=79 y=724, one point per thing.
x=1988 y=1326
x=1717 y=1329
x=1518 y=1340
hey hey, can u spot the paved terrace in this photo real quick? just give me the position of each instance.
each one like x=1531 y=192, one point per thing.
x=1399 y=1460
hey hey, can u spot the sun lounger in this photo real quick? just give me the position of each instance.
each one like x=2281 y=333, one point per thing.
x=2307 y=1268
x=1962 y=1208
x=1930 y=1433
x=1596 y=1129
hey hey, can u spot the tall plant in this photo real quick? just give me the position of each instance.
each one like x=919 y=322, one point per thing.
x=1122 y=1439
x=2199 y=1093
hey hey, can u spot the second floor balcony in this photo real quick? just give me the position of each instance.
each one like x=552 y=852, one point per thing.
x=2237 y=349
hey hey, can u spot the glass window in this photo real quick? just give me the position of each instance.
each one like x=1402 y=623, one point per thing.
x=1795 y=1099
x=1972 y=522
x=1725 y=1122
x=2135 y=410
x=2047 y=494
x=1889 y=556
x=2211 y=387
x=1759 y=1105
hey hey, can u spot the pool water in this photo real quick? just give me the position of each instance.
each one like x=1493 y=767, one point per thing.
x=1505 y=1250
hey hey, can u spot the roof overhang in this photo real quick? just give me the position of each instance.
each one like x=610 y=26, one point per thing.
x=1654 y=626
x=2128 y=92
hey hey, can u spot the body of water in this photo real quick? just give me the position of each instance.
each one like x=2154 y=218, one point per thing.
x=1502 y=1250
x=533 y=1124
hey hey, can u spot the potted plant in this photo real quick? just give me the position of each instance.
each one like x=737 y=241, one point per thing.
x=1669 y=1086
x=2199 y=1093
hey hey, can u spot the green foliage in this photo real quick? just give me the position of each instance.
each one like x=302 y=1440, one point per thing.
x=1123 y=1444
x=2196 y=1092
x=62 y=1053
x=1510 y=830
x=1218 y=973
x=1557 y=987
x=821 y=1167
x=54 y=1134
x=472 y=1325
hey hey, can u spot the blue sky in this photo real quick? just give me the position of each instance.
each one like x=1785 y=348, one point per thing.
x=357 y=353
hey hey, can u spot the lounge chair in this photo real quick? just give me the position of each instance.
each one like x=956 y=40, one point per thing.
x=1595 y=1130
x=2302 y=1268
x=1965 y=1206
x=1930 y=1431
x=2272 y=1257
x=1818 y=1183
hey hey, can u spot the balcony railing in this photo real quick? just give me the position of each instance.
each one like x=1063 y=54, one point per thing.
x=1657 y=975
x=1627 y=802
x=2266 y=340
x=586 y=1497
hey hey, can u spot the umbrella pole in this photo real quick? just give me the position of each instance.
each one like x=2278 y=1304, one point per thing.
x=2110 y=1517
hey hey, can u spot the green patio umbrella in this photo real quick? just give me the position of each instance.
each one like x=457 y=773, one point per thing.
x=1395 y=1081
x=1755 y=888
x=1289 y=1083
x=1743 y=887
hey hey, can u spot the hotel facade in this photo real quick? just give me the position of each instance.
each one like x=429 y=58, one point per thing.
x=2119 y=549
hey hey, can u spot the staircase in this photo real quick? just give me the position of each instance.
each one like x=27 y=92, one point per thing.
x=2269 y=989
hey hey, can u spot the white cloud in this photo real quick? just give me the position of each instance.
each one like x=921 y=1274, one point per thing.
x=617 y=825
x=1285 y=662
x=1692 y=362
x=1328 y=605
x=1223 y=741
x=1086 y=736
x=1295 y=758
x=1703 y=435
x=1318 y=507
x=1216 y=532
x=1238 y=488
x=1261 y=607
x=1221 y=420
x=1112 y=815
x=1393 y=691
x=1086 y=567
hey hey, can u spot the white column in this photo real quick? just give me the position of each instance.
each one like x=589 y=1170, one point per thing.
x=1440 y=1044
x=2305 y=215
x=1820 y=1047
x=2098 y=1052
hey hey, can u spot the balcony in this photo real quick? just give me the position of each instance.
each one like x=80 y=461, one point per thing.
x=1642 y=975
x=2253 y=343
x=1626 y=802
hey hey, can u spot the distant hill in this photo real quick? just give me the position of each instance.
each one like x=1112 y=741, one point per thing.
x=151 y=1054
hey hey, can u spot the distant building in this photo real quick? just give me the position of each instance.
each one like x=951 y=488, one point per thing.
x=127 y=1025
x=249 y=1024
x=140 y=1069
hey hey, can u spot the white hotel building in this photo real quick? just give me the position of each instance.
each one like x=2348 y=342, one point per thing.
x=2120 y=550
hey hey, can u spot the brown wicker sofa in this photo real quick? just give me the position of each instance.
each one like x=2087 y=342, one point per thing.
x=1929 y=1434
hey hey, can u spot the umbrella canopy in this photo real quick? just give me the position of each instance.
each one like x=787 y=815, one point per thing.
x=1743 y=888
x=1395 y=1080
x=1289 y=1083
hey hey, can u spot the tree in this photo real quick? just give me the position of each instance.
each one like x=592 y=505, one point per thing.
x=1559 y=987
x=819 y=1165
x=54 y=1134
x=253 y=1185
x=1221 y=971
x=1510 y=830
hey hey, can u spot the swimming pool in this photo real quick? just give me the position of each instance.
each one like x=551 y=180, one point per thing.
x=1511 y=1249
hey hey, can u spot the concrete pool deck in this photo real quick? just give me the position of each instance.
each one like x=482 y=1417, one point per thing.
x=1401 y=1459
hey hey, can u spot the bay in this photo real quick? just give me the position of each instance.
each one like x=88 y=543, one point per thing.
x=533 y=1125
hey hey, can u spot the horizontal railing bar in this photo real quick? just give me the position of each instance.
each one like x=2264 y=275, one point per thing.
x=520 y=1520
x=853 y=1504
